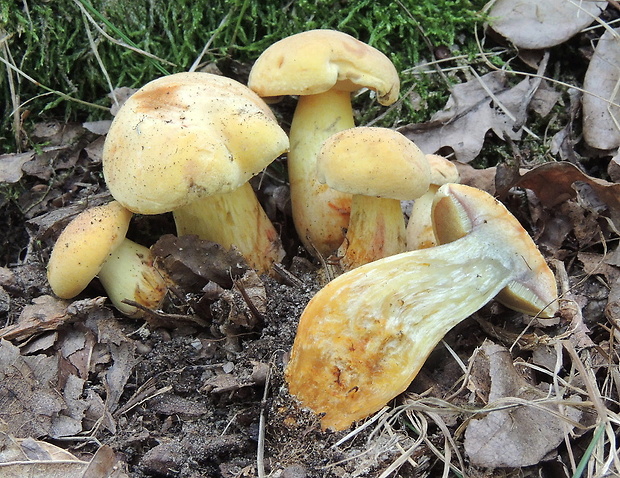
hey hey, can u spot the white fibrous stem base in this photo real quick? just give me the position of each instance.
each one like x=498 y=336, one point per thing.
x=320 y=213
x=129 y=274
x=376 y=230
x=234 y=219
x=364 y=337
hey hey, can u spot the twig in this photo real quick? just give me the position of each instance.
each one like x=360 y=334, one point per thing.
x=260 y=452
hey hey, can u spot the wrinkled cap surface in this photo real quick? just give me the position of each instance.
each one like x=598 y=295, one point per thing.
x=316 y=61
x=83 y=247
x=186 y=136
x=373 y=161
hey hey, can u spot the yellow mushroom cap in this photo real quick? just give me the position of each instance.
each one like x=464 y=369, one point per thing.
x=443 y=171
x=186 y=136
x=372 y=161
x=83 y=247
x=316 y=61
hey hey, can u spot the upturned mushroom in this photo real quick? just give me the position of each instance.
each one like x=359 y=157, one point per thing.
x=189 y=143
x=94 y=245
x=363 y=338
x=420 y=233
x=322 y=67
x=379 y=167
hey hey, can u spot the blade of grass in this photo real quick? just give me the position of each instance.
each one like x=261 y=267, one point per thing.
x=93 y=11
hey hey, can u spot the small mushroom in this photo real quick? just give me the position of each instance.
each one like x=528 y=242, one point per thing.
x=323 y=67
x=363 y=338
x=189 y=143
x=94 y=244
x=379 y=167
x=420 y=233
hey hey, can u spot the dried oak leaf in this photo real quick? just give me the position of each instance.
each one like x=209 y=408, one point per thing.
x=475 y=107
x=601 y=119
x=517 y=436
x=557 y=182
x=532 y=24
x=30 y=400
x=191 y=262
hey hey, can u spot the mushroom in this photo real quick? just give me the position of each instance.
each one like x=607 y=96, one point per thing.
x=189 y=143
x=379 y=167
x=323 y=67
x=420 y=233
x=94 y=244
x=363 y=338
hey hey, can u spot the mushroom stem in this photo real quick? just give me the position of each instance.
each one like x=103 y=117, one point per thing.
x=129 y=274
x=234 y=218
x=376 y=230
x=320 y=213
x=419 y=231
x=363 y=338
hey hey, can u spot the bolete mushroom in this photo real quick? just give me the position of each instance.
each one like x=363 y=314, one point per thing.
x=189 y=143
x=323 y=67
x=420 y=233
x=363 y=338
x=94 y=244
x=379 y=167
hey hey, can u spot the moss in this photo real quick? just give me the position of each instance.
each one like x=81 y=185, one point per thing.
x=49 y=42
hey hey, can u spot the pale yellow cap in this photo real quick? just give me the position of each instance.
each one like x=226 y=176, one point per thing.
x=186 y=136
x=443 y=171
x=316 y=61
x=83 y=247
x=373 y=161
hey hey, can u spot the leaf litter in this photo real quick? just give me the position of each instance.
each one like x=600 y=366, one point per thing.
x=196 y=388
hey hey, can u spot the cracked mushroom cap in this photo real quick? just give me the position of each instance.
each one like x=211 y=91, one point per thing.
x=316 y=61
x=83 y=247
x=186 y=136
x=372 y=161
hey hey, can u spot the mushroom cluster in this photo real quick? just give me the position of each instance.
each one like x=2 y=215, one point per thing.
x=190 y=142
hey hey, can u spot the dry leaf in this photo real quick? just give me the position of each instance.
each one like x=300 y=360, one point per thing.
x=555 y=183
x=533 y=24
x=469 y=114
x=601 y=120
x=519 y=436
x=11 y=166
x=191 y=262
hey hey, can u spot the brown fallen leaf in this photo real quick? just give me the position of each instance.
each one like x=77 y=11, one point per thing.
x=557 y=182
x=516 y=436
x=532 y=24
x=11 y=166
x=601 y=120
x=469 y=114
x=26 y=457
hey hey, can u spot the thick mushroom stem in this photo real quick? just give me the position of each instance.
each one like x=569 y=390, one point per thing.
x=129 y=274
x=320 y=213
x=376 y=230
x=233 y=219
x=363 y=338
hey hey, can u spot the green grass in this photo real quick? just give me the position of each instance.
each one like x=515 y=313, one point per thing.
x=49 y=42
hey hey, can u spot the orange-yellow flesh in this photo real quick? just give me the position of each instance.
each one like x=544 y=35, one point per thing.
x=129 y=274
x=376 y=230
x=234 y=219
x=363 y=338
x=320 y=213
x=83 y=247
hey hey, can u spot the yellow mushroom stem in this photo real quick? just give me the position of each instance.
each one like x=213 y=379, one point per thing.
x=364 y=337
x=376 y=230
x=320 y=213
x=223 y=218
x=129 y=274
